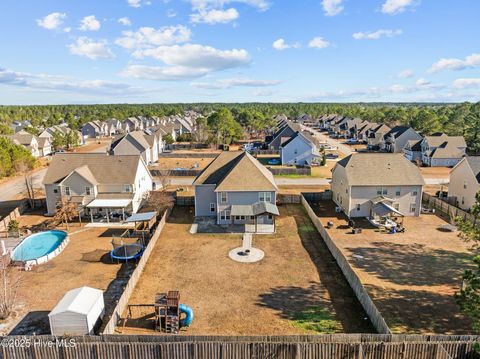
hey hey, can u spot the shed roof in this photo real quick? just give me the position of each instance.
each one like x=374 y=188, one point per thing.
x=78 y=300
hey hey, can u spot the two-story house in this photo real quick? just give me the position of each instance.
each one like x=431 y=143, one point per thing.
x=395 y=140
x=27 y=140
x=366 y=184
x=136 y=143
x=299 y=150
x=285 y=131
x=441 y=150
x=465 y=182
x=98 y=183
x=236 y=189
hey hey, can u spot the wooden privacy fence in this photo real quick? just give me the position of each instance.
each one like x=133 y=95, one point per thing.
x=109 y=327
x=449 y=209
x=188 y=347
x=185 y=200
x=264 y=152
x=187 y=146
x=361 y=293
x=18 y=211
x=175 y=173
x=188 y=155
x=306 y=171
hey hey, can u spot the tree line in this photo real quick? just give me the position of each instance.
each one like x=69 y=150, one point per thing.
x=453 y=119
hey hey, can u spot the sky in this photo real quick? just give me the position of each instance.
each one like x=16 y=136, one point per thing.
x=170 y=51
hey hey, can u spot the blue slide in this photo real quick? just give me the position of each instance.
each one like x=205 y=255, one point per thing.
x=185 y=309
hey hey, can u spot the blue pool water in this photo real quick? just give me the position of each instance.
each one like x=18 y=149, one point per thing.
x=38 y=245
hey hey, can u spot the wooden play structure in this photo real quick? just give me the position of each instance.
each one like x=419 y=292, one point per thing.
x=167 y=312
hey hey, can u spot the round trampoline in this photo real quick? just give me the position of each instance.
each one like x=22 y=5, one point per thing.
x=127 y=252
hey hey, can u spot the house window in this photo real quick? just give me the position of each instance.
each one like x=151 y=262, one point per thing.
x=223 y=197
x=127 y=188
x=227 y=215
x=242 y=218
x=398 y=191
x=55 y=190
x=212 y=207
x=414 y=193
x=87 y=191
x=465 y=185
x=270 y=217
x=413 y=207
x=67 y=191
x=222 y=215
x=384 y=191
x=358 y=207
x=265 y=197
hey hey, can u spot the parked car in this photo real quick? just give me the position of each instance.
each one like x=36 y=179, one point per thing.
x=352 y=141
x=274 y=161
x=331 y=156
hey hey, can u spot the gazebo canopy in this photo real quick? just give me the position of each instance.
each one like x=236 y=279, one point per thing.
x=109 y=203
x=382 y=209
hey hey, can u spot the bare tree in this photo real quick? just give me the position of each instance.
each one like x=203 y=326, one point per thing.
x=66 y=211
x=10 y=281
x=24 y=168
x=159 y=201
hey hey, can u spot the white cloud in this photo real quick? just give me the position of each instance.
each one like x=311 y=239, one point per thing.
x=263 y=93
x=52 y=21
x=63 y=83
x=138 y=3
x=235 y=82
x=406 y=74
x=332 y=7
x=125 y=21
x=393 y=7
x=471 y=61
x=186 y=62
x=375 y=35
x=171 y=13
x=280 y=44
x=261 y=5
x=466 y=83
x=92 y=49
x=89 y=23
x=422 y=82
x=215 y=16
x=146 y=37
x=318 y=43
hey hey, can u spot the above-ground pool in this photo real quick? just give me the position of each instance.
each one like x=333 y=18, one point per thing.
x=40 y=247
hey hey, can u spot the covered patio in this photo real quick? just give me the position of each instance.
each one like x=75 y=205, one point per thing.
x=109 y=210
x=257 y=218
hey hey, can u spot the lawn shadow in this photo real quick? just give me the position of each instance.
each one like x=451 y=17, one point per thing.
x=33 y=323
x=182 y=215
x=417 y=311
x=411 y=264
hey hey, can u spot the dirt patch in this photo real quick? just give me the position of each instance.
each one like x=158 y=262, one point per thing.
x=184 y=163
x=411 y=276
x=296 y=289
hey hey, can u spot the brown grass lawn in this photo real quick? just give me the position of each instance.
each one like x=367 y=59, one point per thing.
x=186 y=163
x=297 y=288
x=82 y=263
x=411 y=276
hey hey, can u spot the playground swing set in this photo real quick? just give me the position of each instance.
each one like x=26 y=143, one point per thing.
x=169 y=314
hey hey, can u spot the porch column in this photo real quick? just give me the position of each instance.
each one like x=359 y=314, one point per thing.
x=108 y=215
x=255 y=224
x=123 y=214
x=91 y=215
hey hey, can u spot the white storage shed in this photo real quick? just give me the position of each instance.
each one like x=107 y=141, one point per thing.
x=77 y=312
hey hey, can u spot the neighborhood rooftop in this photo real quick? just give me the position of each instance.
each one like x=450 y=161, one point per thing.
x=104 y=168
x=237 y=171
x=387 y=169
